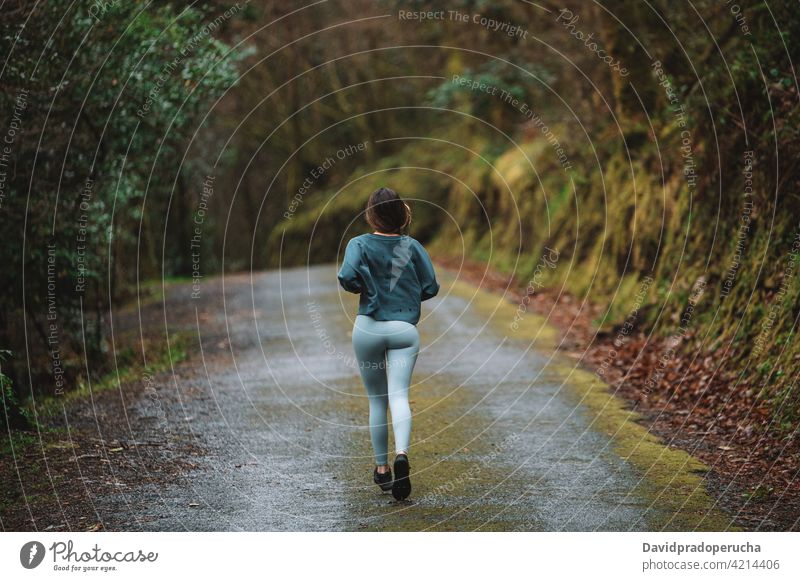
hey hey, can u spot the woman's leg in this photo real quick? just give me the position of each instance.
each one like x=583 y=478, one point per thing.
x=400 y=360
x=371 y=354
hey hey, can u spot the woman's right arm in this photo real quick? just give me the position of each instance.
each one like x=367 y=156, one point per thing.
x=427 y=276
x=349 y=277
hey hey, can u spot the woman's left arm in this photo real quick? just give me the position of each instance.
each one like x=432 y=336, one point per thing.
x=349 y=277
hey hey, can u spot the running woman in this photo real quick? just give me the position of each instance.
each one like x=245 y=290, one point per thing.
x=393 y=274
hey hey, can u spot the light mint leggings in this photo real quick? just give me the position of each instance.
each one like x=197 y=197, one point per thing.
x=386 y=353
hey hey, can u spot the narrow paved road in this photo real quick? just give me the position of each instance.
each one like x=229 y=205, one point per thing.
x=506 y=435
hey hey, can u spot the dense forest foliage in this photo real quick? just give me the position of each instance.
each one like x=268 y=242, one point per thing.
x=640 y=140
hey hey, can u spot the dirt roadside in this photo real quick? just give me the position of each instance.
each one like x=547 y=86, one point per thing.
x=90 y=446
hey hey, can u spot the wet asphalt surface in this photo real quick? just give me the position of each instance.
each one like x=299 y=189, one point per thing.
x=272 y=397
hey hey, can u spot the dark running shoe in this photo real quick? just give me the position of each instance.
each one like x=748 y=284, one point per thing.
x=401 y=487
x=383 y=480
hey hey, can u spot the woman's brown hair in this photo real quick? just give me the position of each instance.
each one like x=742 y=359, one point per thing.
x=387 y=212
